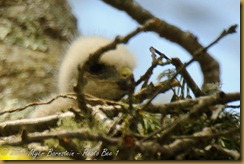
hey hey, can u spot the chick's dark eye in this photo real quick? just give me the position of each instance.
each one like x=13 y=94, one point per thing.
x=96 y=68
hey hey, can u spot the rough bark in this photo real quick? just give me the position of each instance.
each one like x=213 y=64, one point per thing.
x=32 y=40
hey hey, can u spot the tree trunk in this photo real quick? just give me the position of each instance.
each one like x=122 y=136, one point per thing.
x=33 y=37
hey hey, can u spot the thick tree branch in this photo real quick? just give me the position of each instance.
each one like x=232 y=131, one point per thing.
x=208 y=64
x=189 y=103
x=32 y=124
x=195 y=56
x=81 y=134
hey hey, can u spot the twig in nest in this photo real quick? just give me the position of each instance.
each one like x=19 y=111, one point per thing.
x=196 y=112
x=195 y=56
x=159 y=53
x=177 y=146
x=78 y=89
x=152 y=88
x=69 y=96
x=70 y=145
x=168 y=108
x=232 y=106
x=81 y=134
x=130 y=92
x=155 y=63
x=190 y=82
x=13 y=127
x=101 y=117
x=230 y=30
x=232 y=153
x=111 y=131
x=213 y=135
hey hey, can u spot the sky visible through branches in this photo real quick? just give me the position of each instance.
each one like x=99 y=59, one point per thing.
x=205 y=20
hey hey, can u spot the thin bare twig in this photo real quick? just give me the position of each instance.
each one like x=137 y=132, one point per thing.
x=196 y=54
x=151 y=89
x=69 y=96
x=94 y=57
x=190 y=82
x=155 y=63
x=233 y=106
x=78 y=89
x=188 y=41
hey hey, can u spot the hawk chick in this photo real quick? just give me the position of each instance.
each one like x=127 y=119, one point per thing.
x=105 y=79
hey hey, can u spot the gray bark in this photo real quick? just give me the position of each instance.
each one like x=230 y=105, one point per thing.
x=33 y=37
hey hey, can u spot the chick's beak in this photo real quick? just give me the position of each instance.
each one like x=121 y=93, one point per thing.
x=126 y=79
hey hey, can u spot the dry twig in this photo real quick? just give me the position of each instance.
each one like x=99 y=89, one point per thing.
x=196 y=55
x=188 y=41
x=69 y=96
x=196 y=112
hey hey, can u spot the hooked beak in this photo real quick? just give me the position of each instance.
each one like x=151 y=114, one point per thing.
x=126 y=80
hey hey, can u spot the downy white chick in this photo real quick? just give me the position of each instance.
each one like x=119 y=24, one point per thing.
x=106 y=79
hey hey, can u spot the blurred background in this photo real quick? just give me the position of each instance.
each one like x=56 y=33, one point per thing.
x=205 y=19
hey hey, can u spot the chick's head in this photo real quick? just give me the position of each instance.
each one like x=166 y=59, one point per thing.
x=105 y=79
